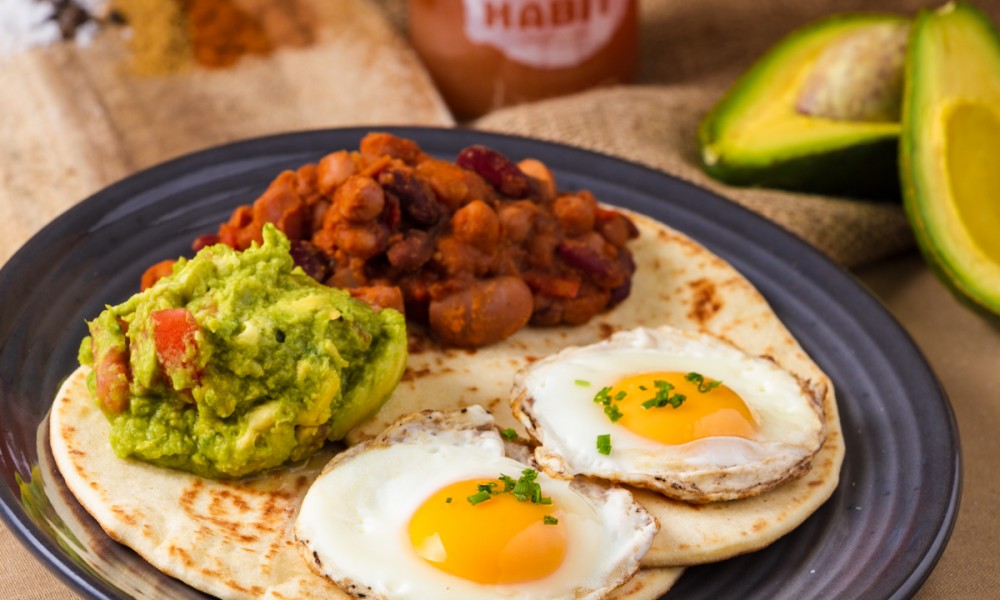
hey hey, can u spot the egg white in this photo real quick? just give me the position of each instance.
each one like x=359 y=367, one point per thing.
x=354 y=519
x=562 y=415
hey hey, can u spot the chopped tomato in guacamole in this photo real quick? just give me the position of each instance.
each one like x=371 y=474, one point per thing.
x=238 y=362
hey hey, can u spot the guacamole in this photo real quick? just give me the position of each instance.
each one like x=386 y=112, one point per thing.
x=239 y=362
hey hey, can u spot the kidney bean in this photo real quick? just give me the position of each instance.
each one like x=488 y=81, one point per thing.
x=484 y=312
x=416 y=198
x=600 y=269
x=412 y=251
x=203 y=241
x=497 y=169
x=312 y=260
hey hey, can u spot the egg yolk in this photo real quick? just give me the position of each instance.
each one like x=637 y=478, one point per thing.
x=708 y=411
x=499 y=541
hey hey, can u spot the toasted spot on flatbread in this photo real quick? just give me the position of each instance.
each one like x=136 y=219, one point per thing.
x=414 y=374
x=124 y=515
x=705 y=302
x=607 y=330
x=181 y=554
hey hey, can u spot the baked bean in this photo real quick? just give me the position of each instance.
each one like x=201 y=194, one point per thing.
x=238 y=232
x=456 y=258
x=546 y=182
x=484 y=312
x=359 y=199
x=155 y=273
x=279 y=204
x=575 y=213
x=112 y=380
x=360 y=240
x=333 y=170
x=453 y=185
x=476 y=247
x=380 y=296
x=517 y=219
x=376 y=145
x=477 y=224
x=615 y=227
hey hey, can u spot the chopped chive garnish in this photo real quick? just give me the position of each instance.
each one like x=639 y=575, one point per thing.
x=582 y=383
x=603 y=396
x=604 y=444
x=508 y=483
x=550 y=520
x=663 y=396
x=508 y=434
x=703 y=386
x=479 y=498
x=525 y=489
x=447 y=500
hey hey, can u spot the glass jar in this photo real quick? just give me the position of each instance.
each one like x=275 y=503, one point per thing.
x=484 y=54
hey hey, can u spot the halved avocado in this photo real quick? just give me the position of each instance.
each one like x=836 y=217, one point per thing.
x=818 y=113
x=950 y=150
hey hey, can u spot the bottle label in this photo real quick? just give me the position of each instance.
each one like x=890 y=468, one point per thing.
x=546 y=34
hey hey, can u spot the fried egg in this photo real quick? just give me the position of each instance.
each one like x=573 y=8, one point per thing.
x=683 y=413
x=421 y=512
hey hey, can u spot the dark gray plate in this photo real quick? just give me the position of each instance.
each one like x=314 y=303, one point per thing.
x=879 y=536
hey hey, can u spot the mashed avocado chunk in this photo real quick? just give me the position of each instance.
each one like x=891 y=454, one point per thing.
x=239 y=362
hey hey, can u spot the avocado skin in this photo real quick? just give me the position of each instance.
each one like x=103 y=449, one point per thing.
x=968 y=292
x=864 y=167
x=865 y=170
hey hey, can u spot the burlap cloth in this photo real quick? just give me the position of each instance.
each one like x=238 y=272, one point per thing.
x=691 y=52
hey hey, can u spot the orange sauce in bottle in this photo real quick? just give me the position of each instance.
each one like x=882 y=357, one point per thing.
x=485 y=54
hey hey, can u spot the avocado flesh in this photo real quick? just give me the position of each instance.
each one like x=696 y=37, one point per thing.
x=951 y=179
x=759 y=135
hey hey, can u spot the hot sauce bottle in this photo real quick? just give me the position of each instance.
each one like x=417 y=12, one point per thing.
x=485 y=54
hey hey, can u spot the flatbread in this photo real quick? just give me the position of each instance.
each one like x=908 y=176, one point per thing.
x=678 y=282
x=228 y=539
x=170 y=518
